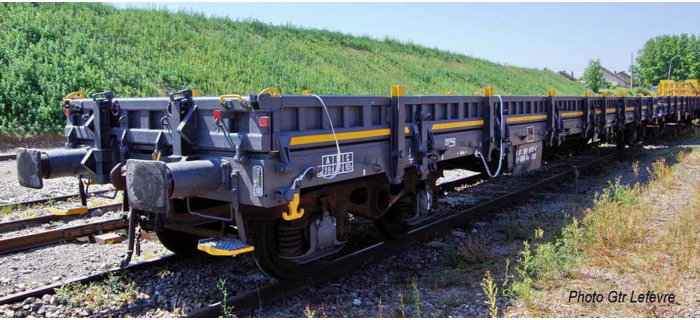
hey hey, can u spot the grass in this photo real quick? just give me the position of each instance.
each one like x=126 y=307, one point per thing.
x=613 y=223
x=490 y=289
x=50 y=49
x=416 y=299
x=402 y=306
x=226 y=310
x=8 y=209
x=114 y=288
x=38 y=209
x=151 y=254
x=516 y=229
x=24 y=212
x=470 y=253
x=619 y=233
x=683 y=240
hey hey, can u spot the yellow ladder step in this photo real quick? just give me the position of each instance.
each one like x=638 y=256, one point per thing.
x=223 y=246
x=66 y=210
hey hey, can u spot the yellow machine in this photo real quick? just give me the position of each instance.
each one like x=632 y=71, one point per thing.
x=687 y=88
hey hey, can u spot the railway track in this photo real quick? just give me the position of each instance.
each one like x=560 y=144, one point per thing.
x=38 y=239
x=28 y=222
x=279 y=290
x=282 y=289
x=285 y=288
x=6 y=157
x=51 y=289
x=54 y=199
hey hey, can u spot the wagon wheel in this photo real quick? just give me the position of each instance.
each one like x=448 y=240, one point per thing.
x=642 y=132
x=270 y=240
x=631 y=135
x=390 y=225
x=178 y=242
x=620 y=140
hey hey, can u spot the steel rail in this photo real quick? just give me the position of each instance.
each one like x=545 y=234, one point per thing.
x=279 y=290
x=51 y=289
x=284 y=288
x=28 y=222
x=62 y=234
x=6 y=157
x=57 y=199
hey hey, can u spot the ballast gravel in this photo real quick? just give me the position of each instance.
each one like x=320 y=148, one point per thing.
x=57 y=263
x=93 y=217
x=12 y=192
x=438 y=278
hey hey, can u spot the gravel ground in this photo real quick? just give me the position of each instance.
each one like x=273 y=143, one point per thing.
x=168 y=291
x=9 y=146
x=11 y=191
x=438 y=278
x=56 y=263
x=441 y=277
x=158 y=295
x=93 y=217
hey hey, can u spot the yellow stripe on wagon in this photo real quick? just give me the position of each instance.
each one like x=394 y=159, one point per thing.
x=460 y=124
x=295 y=141
x=527 y=118
x=572 y=114
x=340 y=136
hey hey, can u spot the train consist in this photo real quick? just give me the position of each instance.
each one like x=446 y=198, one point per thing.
x=279 y=175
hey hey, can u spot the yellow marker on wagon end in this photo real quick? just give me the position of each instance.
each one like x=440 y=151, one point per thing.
x=398 y=90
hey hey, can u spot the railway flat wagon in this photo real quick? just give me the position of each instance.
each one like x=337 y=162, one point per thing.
x=281 y=175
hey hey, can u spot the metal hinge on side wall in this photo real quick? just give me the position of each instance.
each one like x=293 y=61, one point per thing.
x=397 y=136
x=489 y=137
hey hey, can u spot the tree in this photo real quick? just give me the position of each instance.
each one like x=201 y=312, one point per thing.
x=594 y=75
x=655 y=56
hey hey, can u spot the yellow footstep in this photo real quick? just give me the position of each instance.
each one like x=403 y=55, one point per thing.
x=223 y=246
x=68 y=210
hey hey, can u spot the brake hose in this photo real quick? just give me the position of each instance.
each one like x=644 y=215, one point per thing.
x=337 y=147
x=478 y=154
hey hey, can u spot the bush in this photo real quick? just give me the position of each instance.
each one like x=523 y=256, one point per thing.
x=50 y=49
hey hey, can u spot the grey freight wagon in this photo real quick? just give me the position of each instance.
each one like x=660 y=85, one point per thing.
x=278 y=175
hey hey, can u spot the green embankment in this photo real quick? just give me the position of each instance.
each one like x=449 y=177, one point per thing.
x=48 y=50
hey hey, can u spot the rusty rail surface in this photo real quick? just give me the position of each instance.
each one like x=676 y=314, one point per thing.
x=28 y=222
x=57 y=199
x=62 y=234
